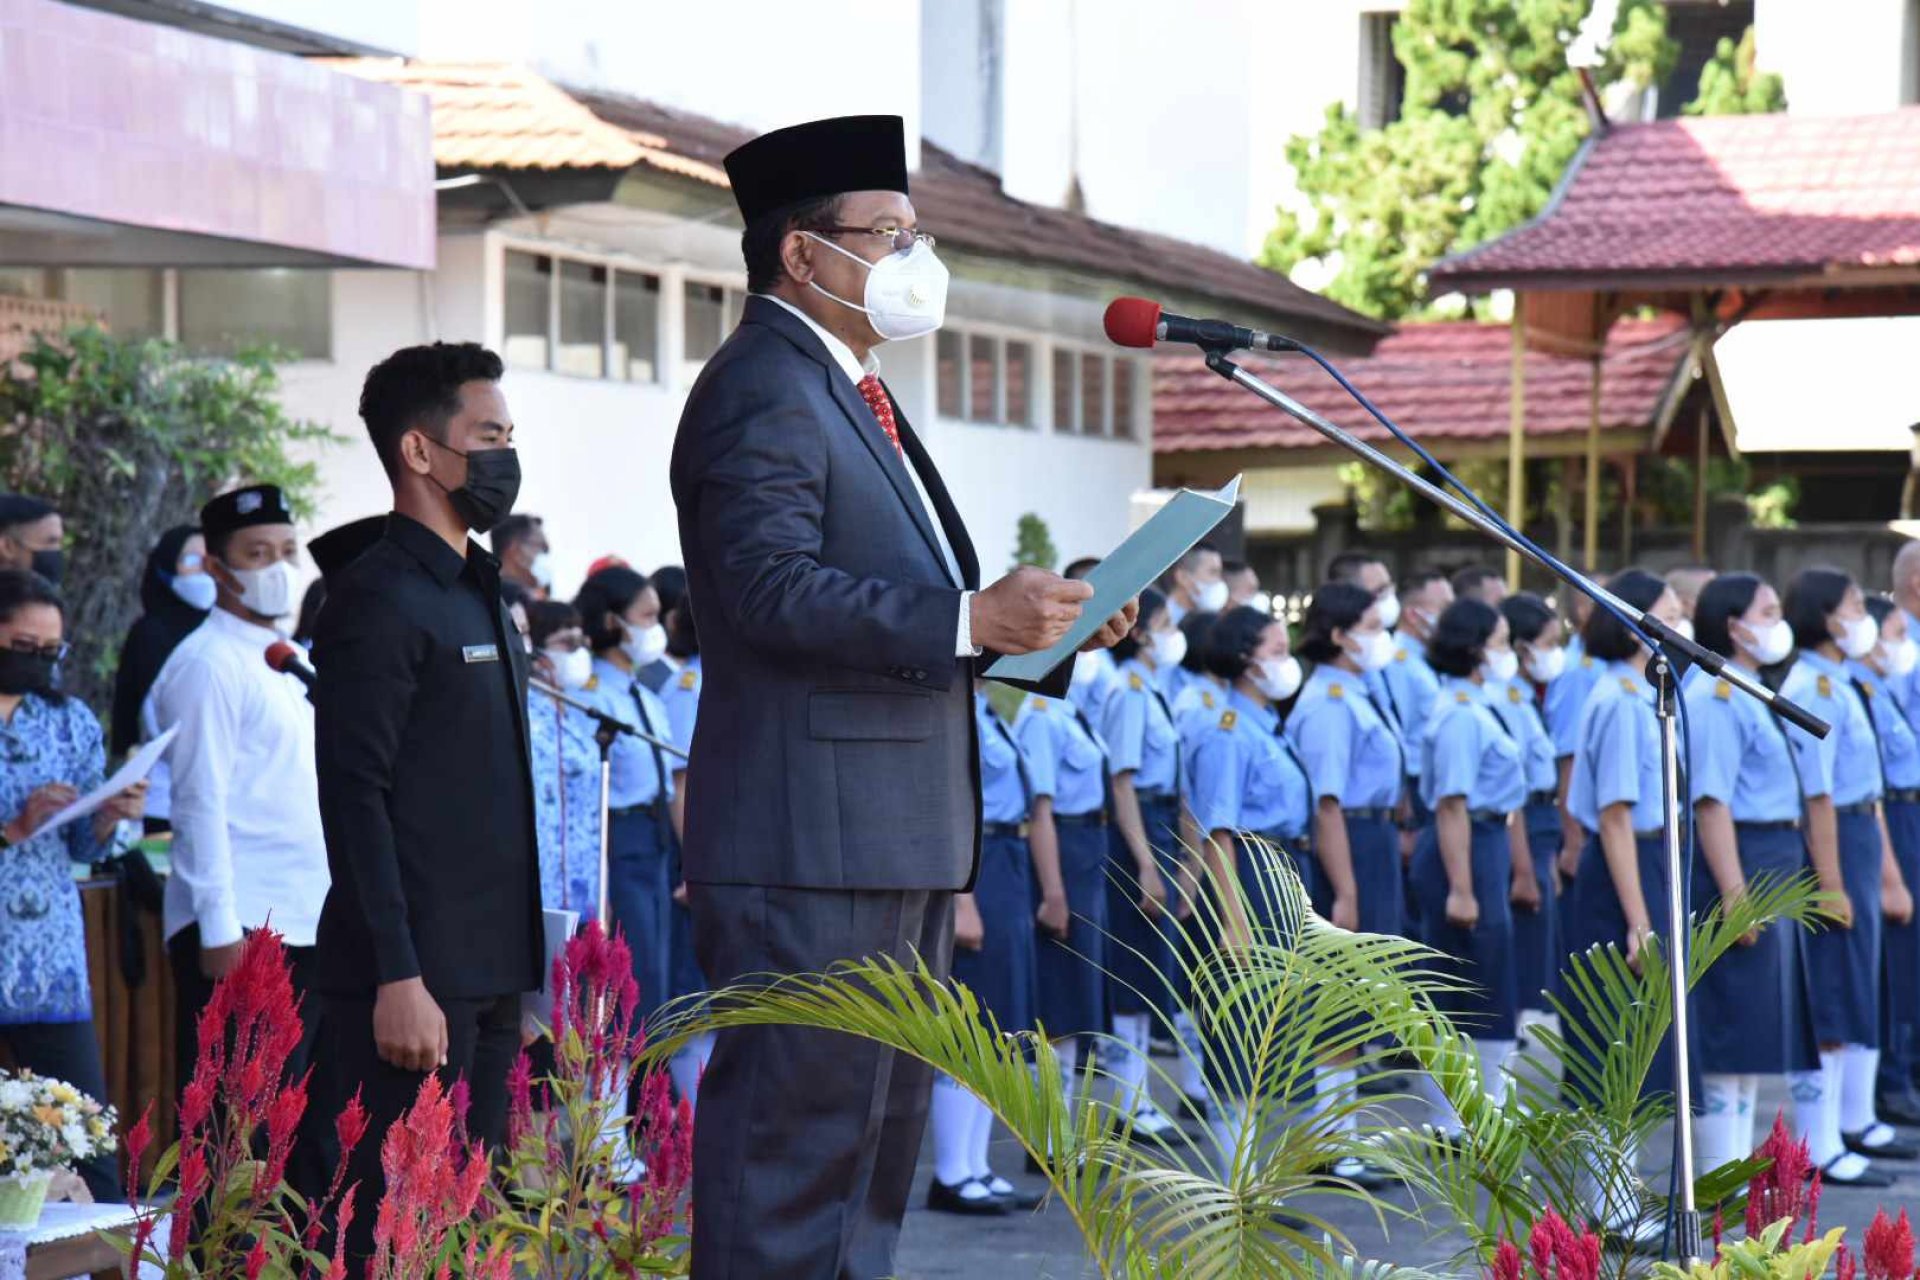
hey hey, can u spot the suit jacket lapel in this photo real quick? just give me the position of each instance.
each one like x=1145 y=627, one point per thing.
x=956 y=529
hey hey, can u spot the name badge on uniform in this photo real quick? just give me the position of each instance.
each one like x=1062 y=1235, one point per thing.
x=481 y=653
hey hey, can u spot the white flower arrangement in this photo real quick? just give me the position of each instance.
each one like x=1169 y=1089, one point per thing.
x=47 y=1124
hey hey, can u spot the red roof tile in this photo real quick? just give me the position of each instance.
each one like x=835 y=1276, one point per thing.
x=1444 y=383
x=1721 y=200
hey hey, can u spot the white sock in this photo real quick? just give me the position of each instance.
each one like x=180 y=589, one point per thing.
x=1749 y=1115
x=1130 y=1060
x=1227 y=1122
x=1808 y=1089
x=687 y=1065
x=1494 y=1055
x=980 y=1142
x=951 y=1120
x=1858 y=1067
x=1193 y=1076
x=1331 y=1085
x=1713 y=1130
x=1608 y=1186
x=1068 y=1051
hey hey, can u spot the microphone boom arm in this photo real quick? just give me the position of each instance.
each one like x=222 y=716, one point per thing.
x=605 y=721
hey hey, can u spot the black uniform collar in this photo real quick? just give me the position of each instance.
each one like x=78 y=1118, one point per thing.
x=432 y=551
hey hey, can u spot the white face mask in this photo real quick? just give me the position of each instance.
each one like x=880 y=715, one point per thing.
x=268 y=592
x=1389 y=606
x=198 y=590
x=572 y=668
x=1898 y=656
x=644 y=647
x=1376 y=651
x=1545 y=665
x=1211 y=597
x=1860 y=636
x=906 y=295
x=1169 y=647
x=1086 y=670
x=542 y=570
x=1277 y=678
x=1771 y=643
x=1501 y=665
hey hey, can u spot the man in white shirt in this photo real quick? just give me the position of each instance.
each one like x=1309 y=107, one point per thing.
x=247 y=845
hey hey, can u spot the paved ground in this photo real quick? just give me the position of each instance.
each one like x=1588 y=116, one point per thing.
x=1045 y=1246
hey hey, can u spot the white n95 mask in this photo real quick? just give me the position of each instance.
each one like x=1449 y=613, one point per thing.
x=906 y=294
x=268 y=592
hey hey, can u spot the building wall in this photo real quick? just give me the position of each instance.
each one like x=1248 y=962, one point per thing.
x=1843 y=57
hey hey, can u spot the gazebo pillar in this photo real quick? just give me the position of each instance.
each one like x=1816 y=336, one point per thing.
x=1517 y=441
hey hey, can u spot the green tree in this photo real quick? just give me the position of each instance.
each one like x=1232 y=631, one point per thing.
x=1492 y=115
x=1730 y=85
x=1034 y=543
x=127 y=438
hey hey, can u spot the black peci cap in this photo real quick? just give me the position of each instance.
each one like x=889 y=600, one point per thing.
x=818 y=159
x=244 y=508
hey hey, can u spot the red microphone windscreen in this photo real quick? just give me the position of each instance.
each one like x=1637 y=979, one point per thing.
x=281 y=653
x=1131 y=321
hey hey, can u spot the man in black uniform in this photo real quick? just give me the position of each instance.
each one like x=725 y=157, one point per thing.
x=431 y=930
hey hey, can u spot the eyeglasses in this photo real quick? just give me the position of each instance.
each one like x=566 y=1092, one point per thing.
x=901 y=239
x=52 y=653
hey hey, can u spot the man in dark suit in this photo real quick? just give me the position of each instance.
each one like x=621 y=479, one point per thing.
x=431 y=930
x=833 y=797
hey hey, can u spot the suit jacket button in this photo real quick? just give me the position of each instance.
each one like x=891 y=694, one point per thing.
x=919 y=675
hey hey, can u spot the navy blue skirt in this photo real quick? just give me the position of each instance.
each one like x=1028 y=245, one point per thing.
x=640 y=896
x=1228 y=1069
x=1755 y=1017
x=1900 y=956
x=1140 y=951
x=1483 y=955
x=1843 y=965
x=1071 y=974
x=1001 y=973
x=1536 y=934
x=1375 y=846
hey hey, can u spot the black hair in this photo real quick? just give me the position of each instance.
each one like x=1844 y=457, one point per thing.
x=17 y=509
x=1081 y=568
x=670 y=584
x=544 y=617
x=1468 y=580
x=1231 y=643
x=22 y=587
x=512 y=531
x=419 y=388
x=1879 y=608
x=1198 y=627
x=1229 y=567
x=610 y=591
x=760 y=241
x=1152 y=604
x=1608 y=639
x=1346 y=566
x=1527 y=616
x=1419 y=580
x=1336 y=606
x=1722 y=600
x=1812 y=596
x=311 y=602
x=1459 y=641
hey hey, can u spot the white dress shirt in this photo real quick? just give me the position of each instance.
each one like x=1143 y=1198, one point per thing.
x=843 y=357
x=247 y=844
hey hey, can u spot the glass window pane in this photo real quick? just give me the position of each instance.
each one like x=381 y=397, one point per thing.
x=223 y=311
x=636 y=327
x=948 y=391
x=529 y=285
x=583 y=320
x=706 y=322
x=1093 y=395
x=1124 y=373
x=1064 y=394
x=23 y=282
x=128 y=300
x=1020 y=384
x=983 y=380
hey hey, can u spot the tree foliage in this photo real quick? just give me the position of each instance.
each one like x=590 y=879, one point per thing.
x=1730 y=85
x=1034 y=543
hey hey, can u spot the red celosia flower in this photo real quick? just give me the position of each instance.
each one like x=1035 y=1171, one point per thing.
x=1506 y=1262
x=519 y=1099
x=1844 y=1267
x=1889 y=1248
x=1781 y=1190
x=257 y=1258
x=139 y=1138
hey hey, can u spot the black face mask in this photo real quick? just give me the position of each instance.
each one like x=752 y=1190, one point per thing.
x=25 y=671
x=493 y=483
x=51 y=565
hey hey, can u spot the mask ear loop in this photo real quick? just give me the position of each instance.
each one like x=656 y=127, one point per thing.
x=815 y=285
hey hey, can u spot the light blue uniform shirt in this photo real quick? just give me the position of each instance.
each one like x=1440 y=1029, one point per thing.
x=1137 y=726
x=680 y=699
x=1740 y=755
x=1176 y=680
x=1412 y=685
x=1091 y=696
x=1899 y=752
x=1567 y=698
x=636 y=780
x=1003 y=788
x=1617 y=760
x=1846 y=763
x=1468 y=751
x=1520 y=716
x=1906 y=687
x=1064 y=760
x=1195 y=713
x=1246 y=776
x=1349 y=749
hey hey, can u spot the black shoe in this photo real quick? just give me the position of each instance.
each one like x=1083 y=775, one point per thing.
x=1162 y=1047
x=1867 y=1177
x=1891 y=1149
x=1016 y=1200
x=942 y=1198
x=1901 y=1108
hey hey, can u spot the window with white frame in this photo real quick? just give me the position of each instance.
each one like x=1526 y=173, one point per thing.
x=210 y=311
x=710 y=311
x=983 y=378
x=1095 y=394
x=581 y=317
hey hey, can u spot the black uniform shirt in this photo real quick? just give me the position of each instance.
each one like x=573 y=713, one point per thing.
x=425 y=789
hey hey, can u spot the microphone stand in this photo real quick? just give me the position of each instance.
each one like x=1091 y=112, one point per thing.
x=1659 y=672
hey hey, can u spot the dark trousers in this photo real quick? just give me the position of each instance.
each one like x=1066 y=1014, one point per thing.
x=68 y=1051
x=805 y=1141
x=315 y=1150
x=483 y=1038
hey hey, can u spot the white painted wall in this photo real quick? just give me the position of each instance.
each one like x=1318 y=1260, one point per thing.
x=1839 y=57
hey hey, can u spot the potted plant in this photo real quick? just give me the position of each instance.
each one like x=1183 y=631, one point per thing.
x=46 y=1125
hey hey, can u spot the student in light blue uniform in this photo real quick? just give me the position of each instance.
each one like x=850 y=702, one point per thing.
x=1565 y=705
x=1143 y=751
x=566 y=763
x=1536 y=635
x=1067 y=769
x=1410 y=681
x=679 y=694
x=1754 y=1014
x=1887 y=674
x=1177 y=679
x=1472 y=780
x=994 y=958
x=621 y=615
x=1094 y=676
x=1853 y=860
x=1197 y=705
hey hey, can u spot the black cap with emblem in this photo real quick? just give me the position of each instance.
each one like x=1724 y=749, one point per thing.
x=817 y=159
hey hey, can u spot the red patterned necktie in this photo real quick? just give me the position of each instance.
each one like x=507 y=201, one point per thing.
x=876 y=397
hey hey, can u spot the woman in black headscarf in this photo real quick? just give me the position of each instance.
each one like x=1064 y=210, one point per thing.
x=175 y=594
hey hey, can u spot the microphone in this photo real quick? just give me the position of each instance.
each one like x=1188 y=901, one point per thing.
x=1137 y=322
x=287 y=659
